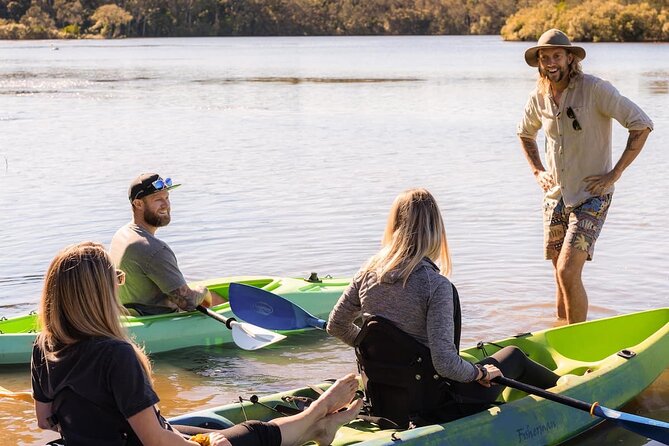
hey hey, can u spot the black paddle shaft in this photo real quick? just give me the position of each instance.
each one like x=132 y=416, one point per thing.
x=215 y=315
x=577 y=404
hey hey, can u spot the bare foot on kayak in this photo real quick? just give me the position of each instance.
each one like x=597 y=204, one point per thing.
x=328 y=426
x=339 y=395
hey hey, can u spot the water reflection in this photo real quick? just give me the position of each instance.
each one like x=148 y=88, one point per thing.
x=307 y=80
x=657 y=82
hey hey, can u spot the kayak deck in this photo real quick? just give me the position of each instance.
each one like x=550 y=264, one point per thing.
x=592 y=372
x=165 y=332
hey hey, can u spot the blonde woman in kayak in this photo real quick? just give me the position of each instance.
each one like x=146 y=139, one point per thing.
x=405 y=283
x=92 y=384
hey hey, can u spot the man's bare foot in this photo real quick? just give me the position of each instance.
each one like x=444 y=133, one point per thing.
x=329 y=425
x=559 y=322
x=337 y=396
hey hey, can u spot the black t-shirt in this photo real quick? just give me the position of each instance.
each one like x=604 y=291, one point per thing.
x=94 y=387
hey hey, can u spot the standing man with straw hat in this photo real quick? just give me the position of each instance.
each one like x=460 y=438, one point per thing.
x=575 y=111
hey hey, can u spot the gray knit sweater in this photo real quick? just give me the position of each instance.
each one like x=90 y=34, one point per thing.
x=423 y=308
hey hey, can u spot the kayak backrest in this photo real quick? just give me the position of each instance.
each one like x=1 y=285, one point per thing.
x=401 y=383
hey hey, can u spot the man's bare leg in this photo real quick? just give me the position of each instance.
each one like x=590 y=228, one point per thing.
x=561 y=311
x=569 y=269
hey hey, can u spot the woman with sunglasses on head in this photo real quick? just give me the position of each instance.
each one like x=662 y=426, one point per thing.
x=403 y=284
x=92 y=384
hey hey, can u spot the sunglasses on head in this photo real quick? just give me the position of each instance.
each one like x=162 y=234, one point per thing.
x=575 y=124
x=156 y=186
x=161 y=184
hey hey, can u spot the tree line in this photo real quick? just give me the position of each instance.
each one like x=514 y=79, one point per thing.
x=591 y=20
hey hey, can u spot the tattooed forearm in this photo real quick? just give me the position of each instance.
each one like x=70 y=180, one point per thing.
x=186 y=298
x=635 y=142
x=532 y=154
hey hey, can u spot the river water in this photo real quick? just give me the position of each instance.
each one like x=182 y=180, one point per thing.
x=290 y=151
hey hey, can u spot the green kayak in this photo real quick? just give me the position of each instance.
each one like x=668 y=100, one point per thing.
x=180 y=330
x=586 y=355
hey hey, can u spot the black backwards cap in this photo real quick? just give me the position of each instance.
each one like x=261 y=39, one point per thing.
x=147 y=184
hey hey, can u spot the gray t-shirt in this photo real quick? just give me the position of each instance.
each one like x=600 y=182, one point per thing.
x=423 y=309
x=150 y=266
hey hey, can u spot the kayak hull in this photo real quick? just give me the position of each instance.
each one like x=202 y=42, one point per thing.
x=174 y=331
x=592 y=372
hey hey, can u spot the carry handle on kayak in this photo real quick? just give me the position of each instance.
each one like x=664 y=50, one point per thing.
x=648 y=427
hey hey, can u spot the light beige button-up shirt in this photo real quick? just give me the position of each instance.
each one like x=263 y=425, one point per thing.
x=572 y=154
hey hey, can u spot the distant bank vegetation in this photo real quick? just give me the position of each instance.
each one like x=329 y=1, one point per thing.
x=584 y=20
x=592 y=20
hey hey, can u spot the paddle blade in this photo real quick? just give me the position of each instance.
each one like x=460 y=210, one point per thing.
x=23 y=396
x=250 y=337
x=269 y=310
x=648 y=427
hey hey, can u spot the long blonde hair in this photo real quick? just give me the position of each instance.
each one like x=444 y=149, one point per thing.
x=575 y=70
x=79 y=301
x=414 y=230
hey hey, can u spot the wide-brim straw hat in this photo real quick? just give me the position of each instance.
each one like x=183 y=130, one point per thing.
x=553 y=38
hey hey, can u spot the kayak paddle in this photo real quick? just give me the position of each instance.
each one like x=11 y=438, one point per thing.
x=269 y=310
x=246 y=336
x=24 y=396
x=648 y=427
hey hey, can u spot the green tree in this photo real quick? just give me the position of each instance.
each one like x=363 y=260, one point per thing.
x=68 y=12
x=591 y=20
x=109 y=19
x=15 y=9
x=40 y=24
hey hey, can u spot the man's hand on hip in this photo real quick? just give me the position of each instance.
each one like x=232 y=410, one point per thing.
x=544 y=179
x=598 y=185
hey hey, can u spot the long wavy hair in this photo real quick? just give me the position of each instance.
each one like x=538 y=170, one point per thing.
x=575 y=70
x=79 y=301
x=415 y=230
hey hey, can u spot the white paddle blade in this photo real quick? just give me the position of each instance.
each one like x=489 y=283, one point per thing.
x=250 y=337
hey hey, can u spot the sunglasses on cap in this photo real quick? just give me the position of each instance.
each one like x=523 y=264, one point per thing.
x=155 y=186
x=161 y=184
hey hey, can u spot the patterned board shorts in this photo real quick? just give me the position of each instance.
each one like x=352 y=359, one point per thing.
x=579 y=226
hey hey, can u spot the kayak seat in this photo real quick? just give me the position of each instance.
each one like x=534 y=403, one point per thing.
x=401 y=383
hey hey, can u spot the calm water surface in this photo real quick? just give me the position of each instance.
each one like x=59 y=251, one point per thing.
x=291 y=151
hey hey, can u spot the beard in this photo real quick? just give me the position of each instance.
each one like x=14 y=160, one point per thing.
x=156 y=220
x=560 y=74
